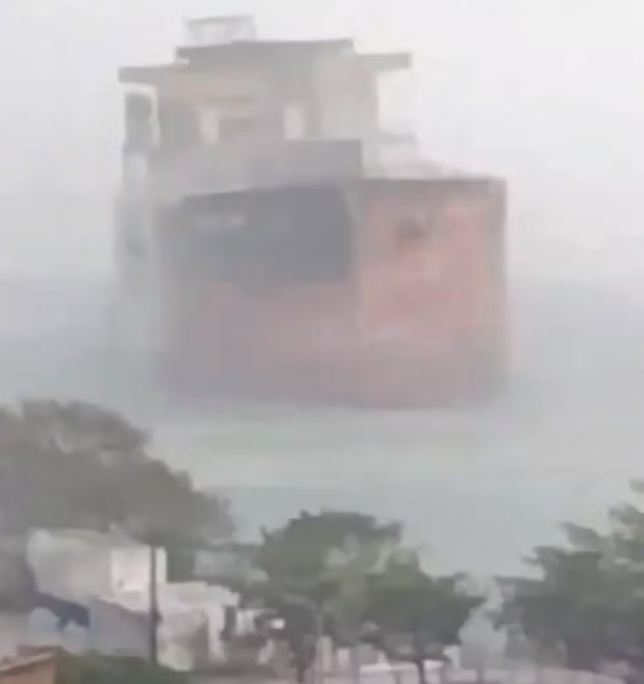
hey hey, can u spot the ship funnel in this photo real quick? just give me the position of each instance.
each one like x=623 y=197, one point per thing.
x=219 y=30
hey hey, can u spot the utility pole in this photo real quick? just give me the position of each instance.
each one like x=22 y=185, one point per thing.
x=153 y=646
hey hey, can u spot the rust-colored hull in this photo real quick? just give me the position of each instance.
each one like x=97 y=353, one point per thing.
x=412 y=314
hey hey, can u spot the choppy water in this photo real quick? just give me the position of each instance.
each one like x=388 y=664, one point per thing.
x=476 y=489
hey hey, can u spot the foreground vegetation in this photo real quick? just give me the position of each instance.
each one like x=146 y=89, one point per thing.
x=75 y=465
x=94 y=669
x=345 y=575
x=352 y=578
x=583 y=606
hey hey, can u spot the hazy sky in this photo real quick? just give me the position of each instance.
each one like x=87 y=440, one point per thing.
x=546 y=92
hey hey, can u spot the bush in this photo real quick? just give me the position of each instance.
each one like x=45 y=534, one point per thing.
x=95 y=669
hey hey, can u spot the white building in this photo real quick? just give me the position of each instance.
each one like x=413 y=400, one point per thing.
x=192 y=618
x=110 y=575
x=78 y=565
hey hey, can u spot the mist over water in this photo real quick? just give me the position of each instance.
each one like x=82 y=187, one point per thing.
x=547 y=94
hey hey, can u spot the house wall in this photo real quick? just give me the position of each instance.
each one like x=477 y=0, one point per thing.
x=68 y=568
x=189 y=633
x=117 y=631
x=130 y=568
x=78 y=568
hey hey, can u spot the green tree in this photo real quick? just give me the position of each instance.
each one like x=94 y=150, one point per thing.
x=584 y=603
x=417 y=615
x=349 y=575
x=315 y=568
x=299 y=554
x=78 y=465
x=96 y=669
x=350 y=570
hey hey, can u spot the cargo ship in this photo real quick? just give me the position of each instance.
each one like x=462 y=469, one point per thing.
x=273 y=243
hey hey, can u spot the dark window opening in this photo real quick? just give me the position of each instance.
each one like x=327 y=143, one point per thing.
x=264 y=239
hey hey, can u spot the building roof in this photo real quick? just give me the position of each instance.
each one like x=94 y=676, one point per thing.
x=111 y=539
x=250 y=50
